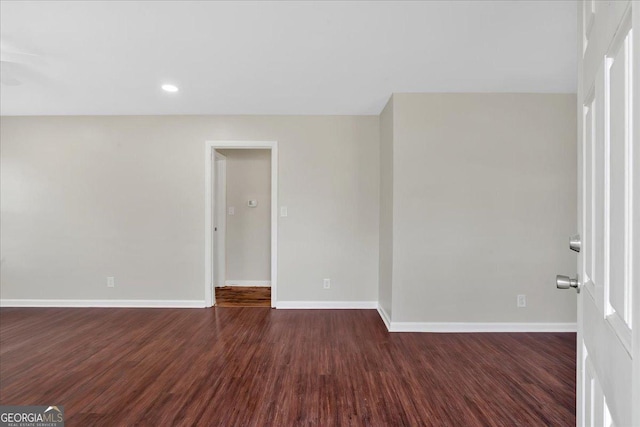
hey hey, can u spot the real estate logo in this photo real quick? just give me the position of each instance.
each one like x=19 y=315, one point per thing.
x=31 y=416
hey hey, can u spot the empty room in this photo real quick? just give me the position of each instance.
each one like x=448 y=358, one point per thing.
x=327 y=213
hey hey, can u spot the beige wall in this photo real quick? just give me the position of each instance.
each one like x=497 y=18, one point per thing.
x=385 y=267
x=484 y=193
x=84 y=198
x=470 y=198
x=248 y=233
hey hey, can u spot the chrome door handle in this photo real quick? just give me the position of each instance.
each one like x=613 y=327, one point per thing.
x=575 y=244
x=566 y=282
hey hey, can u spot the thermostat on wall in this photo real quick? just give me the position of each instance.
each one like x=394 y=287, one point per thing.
x=252 y=203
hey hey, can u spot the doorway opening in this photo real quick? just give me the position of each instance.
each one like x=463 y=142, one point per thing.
x=241 y=223
x=241 y=228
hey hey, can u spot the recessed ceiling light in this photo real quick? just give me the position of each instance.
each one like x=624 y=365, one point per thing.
x=170 y=88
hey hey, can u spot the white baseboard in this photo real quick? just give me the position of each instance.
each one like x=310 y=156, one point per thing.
x=265 y=283
x=459 y=327
x=442 y=327
x=326 y=304
x=102 y=303
x=385 y=317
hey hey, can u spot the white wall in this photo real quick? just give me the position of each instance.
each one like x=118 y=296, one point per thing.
x=84 y=198
x=484 y=202
x=385 y=267
x=476 y=196
x=248 y=233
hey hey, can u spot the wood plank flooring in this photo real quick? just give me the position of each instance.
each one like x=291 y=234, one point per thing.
x=243 y=296
x=264 y=367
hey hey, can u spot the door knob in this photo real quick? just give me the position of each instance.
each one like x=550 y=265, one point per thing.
x=566 y=282
x=575 y=244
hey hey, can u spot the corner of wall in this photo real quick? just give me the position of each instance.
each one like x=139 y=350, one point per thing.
x=385 y=257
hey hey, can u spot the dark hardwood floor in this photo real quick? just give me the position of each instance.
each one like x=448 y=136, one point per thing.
x=264 y=367
x=243 y=296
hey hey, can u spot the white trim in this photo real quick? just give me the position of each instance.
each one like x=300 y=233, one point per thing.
x=327 y=304
x=102 y=303
x=385 y=317
x=264 y=283
x=221 y=234
x=208 y=206
x=453 y=327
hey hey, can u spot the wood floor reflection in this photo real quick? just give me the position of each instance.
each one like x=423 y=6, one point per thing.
x=243 y=296
x=266 y=367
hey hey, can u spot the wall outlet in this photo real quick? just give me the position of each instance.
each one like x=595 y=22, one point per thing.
x=232 y=210
x=522 y=300
x=283 y=211
x=326 y=284
x=111 y=282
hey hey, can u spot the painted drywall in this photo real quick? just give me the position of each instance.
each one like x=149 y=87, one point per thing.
x=385 y=267
x=88 y=197
x=248 y=233
x=484 y=195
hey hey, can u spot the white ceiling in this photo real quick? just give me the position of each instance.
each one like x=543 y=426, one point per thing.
x=322 y=57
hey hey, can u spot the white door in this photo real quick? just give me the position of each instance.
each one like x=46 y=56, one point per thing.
x=608 y=374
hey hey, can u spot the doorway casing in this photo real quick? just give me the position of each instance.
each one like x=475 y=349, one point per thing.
x=220 y=219
x=210 y=147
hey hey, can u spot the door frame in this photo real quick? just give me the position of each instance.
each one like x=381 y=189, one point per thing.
x=220 y=236
x=635 y=200
x=209 y=148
